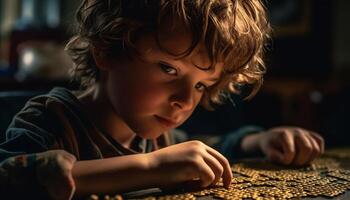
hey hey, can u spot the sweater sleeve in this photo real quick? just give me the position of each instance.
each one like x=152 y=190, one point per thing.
x=28 y=165
x=230 y=143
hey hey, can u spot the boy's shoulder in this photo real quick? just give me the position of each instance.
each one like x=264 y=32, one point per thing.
x=48 y=108
x=56 y=96
x=62 y=94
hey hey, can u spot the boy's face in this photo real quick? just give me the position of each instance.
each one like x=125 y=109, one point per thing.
x=155 y=92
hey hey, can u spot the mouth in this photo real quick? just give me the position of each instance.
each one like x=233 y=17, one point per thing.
x=165 y=121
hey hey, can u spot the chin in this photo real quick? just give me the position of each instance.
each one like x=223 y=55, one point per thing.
x=148 y=130
x=150 y=135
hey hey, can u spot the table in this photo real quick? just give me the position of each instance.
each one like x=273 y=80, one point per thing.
x=325 y=178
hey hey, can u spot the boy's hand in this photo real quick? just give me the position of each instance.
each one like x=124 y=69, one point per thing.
x=187 y=162
x=287 y=145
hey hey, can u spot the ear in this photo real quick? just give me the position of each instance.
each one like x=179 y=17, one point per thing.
x=102 y=62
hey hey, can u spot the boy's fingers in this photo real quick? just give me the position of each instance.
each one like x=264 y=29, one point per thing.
x=227 y=173
x=288 y=147
x=304 y=149
x=275 y=155
x=315 y=149
x=206 y=175
x=319 y=140
x=215 y=166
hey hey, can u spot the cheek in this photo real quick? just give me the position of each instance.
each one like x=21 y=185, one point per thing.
x=145 y=97
x=150 y=98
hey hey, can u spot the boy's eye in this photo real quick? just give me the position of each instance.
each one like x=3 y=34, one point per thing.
x=167 y=69
x=201 y=87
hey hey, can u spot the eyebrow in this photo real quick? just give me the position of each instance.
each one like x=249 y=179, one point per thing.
x=202 y=68
x=205 y=53
x=213 y=79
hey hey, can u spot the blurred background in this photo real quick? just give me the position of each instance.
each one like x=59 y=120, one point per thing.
x=308 y=63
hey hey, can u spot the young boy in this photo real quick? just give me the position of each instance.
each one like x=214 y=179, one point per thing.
x=145 y=66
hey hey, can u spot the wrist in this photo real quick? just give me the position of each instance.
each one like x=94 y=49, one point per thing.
x=251 y=143
x=149 y=161
x=151 y=167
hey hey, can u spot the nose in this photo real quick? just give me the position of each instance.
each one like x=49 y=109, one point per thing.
x=183 y=97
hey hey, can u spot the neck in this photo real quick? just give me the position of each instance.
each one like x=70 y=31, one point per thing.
x=106 y=119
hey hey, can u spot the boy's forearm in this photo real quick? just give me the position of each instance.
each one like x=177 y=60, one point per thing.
x=113 y=175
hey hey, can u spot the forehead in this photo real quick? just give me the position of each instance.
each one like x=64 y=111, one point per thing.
x=173 y=42
x=177 y=39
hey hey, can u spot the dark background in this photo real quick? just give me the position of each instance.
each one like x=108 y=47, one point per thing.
x=308 y=63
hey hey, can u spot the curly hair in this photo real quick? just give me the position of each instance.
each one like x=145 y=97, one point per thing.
x=235 y=30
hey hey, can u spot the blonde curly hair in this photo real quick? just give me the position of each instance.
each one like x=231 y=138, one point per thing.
x=235 y=30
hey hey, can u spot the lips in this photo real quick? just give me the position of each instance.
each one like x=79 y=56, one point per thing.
x=166 y=121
